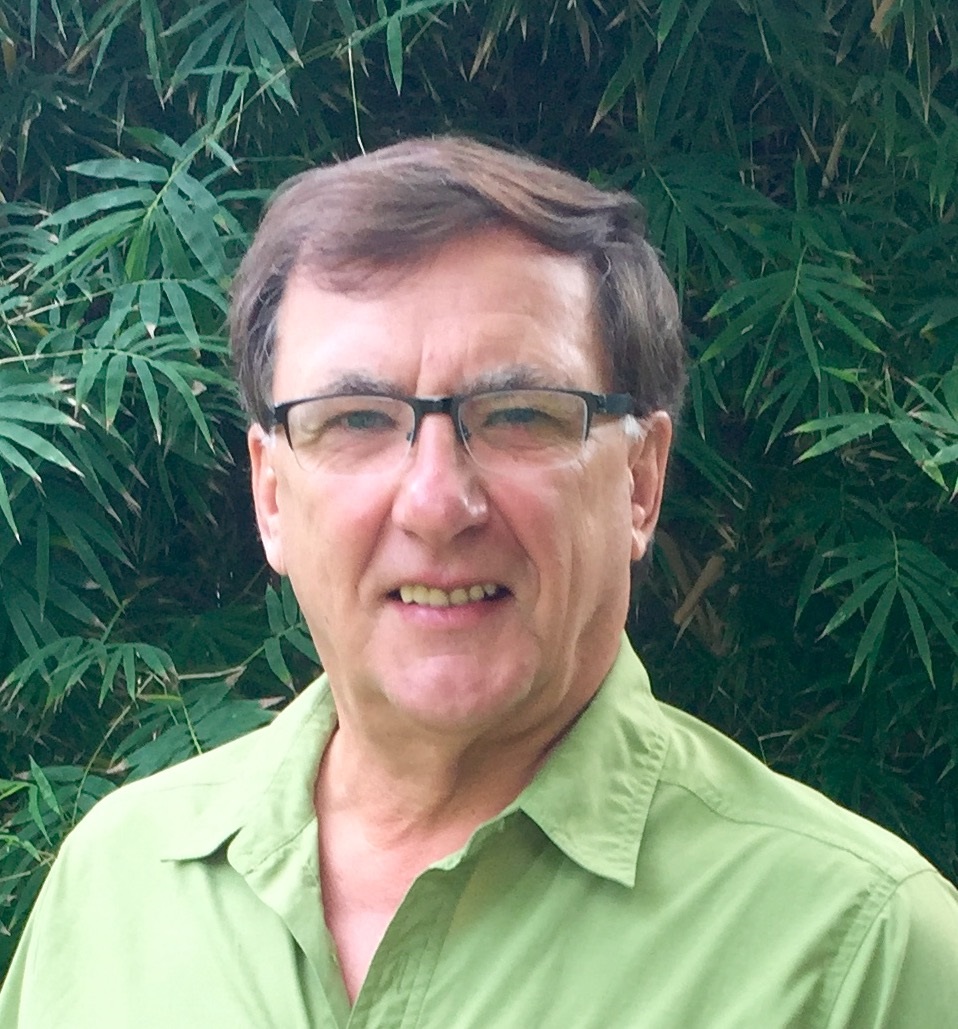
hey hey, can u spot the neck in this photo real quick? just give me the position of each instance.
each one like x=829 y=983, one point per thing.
x=433 y=791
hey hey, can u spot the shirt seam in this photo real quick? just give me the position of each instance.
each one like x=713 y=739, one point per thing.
x=825 y=840
x=892 y=889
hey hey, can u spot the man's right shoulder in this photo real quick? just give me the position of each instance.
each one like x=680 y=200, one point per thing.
x=208 y=790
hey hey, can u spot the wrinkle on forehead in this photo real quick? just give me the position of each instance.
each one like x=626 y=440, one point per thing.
x=533 y=292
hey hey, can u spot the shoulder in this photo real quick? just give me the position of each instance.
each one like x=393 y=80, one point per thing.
x=194 y=806
x=742 y=794
x=781 y=871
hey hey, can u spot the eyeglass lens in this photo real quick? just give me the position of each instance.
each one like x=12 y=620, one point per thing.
x=370 y=433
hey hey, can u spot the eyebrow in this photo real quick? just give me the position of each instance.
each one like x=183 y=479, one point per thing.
x=356 y=384
x=513 y=377
x=520 y=376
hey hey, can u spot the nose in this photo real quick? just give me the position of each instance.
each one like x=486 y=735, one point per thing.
x=439 y=494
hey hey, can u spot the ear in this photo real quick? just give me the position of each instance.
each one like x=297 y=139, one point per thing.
x=648 y=459
x=262 y=455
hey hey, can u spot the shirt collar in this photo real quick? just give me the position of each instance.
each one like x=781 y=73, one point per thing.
x=591 y=797
x=593 y=794
x=258 y=789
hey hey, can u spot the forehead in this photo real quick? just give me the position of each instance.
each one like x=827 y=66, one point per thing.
x=479 y=306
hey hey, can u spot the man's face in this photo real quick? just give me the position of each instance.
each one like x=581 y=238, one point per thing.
x=555 y=543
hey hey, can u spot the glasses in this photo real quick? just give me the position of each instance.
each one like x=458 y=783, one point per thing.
x=350 y=433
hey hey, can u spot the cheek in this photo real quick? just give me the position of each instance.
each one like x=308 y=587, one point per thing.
x=603 y=532
x=330 y=532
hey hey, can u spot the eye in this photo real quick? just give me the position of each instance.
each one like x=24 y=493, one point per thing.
x=343 y=419
x=525 y=420
x=362 y=420
x=517 y=416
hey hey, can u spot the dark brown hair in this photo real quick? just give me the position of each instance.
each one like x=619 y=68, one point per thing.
x=389 y=209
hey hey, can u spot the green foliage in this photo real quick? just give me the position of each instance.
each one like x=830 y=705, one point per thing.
x=798 y=164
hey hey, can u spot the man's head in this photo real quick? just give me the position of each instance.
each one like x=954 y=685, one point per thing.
x=469 y=582
x=354 y=224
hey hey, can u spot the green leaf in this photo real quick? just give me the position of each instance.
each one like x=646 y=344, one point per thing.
x=859 y=597
x=805 y=333
x=44 y=787
x=92 y=205
x=150 y=293
x=394 y=49
x=120 y=308
x=269 y=15
x=152 y=26
x=623 y=77
x=840 y=321
x=42 y=528
x=169 y=370
x=128 y=169
x=200 y=45
x=113 y=387
x=871 y=638
x=274 y=612
x=27 y=439
x=918 y=632
x=150 y=394
x=668 y=12
x=196 y=236
x=276 y=661
x=182 y=311
x=847 y=428
x=89 y=242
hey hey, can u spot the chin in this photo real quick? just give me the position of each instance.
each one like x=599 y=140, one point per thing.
x=455 y=696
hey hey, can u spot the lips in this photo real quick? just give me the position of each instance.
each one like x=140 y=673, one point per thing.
x=432 y=596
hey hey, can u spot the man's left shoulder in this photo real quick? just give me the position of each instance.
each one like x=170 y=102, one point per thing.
x=772 y=810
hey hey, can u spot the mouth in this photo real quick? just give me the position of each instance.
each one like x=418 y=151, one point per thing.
x=431 y=596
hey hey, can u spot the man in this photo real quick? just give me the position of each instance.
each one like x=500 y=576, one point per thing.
x=461 y=369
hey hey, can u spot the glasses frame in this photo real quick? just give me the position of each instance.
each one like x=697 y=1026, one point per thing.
x=616 y=405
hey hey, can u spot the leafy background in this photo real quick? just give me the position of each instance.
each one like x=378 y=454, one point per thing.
x=798 y=164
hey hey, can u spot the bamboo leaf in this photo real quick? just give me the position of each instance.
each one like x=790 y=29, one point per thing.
x=94 y=204
x=43 y=559
x=182 y=311
x=269 y=15
x=149 y=304
x=26 y=439
x=623 y=77
x=276 y=661
x=847 y=428
x=44 y=787
x=150 y=394
x=181 y=386
x=5 y=506
x=274 y=612
x=871 y=638
x=668 y=12
x=197 y=237
x=394 y=50
x=884 y=557
x=918 y=632
x=840 y=321
x=152 y=25
x=92 y=239
x=858 y=598
x=120 y=307
x=805 y=333
x=113 y=387
x=128 y=169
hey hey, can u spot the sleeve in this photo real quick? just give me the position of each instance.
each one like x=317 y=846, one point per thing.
x=905 y=972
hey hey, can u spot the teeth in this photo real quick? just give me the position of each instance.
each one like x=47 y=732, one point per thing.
x=432 y=597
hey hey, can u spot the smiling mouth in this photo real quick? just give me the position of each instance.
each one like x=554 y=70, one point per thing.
x=431 y=596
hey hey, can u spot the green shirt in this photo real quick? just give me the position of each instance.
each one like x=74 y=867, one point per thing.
x=653 y=875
